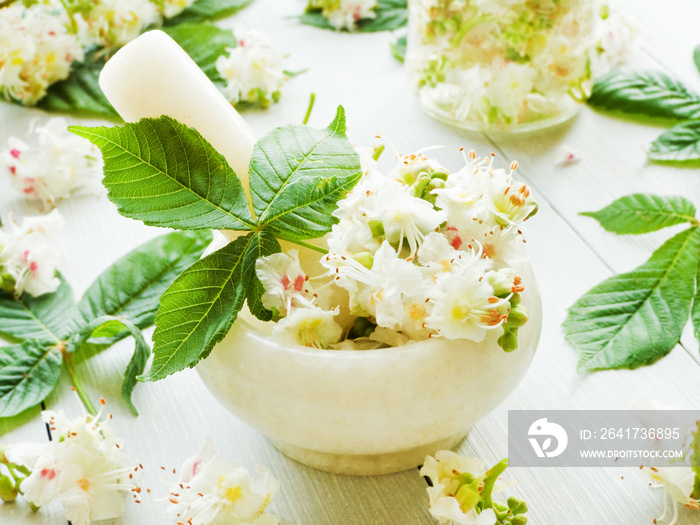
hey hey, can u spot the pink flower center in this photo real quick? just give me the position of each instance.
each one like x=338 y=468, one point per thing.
x=455 y=239
x=15 y=153
x=299 y=283
x=48 y=473
x=196 y=467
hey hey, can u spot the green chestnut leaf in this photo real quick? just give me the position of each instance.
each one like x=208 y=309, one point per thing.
x=29 y=371
x=297 y=176
x=636 y=318
x=198 y=309
x=681 y=144
x=643 y=213
x=166 y=174
x=648 y=93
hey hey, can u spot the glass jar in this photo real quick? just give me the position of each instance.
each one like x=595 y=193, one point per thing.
x=500 y=65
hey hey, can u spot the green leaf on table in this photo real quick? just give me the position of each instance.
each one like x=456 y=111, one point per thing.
x=262 y=244
x=643 y=213
x=131 y=287
x=41 y=318
x=398 y=49
x=80 y=93
x=681 y=143
x=636 y=318
x=650 y=93
x=297 y=175
x=166 y=174
x=198 y=309
x=106 y=324
x=28 y=373
x=205 y=43
x=203 y=10
x=391 y=14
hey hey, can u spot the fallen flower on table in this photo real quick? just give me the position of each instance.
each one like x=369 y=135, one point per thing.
x=566 y=156
x=211 y=490
x=53 y=50
x=82 y=468
x=678 y=483
x=345 y=14
x=681 y=484
x=361 y=16
x=27 y=263
x=61 y=164
x=253 y=70
x=37 y=50
x=171 y=8
x=617 y=39
x=461 y=491
x=110 y=24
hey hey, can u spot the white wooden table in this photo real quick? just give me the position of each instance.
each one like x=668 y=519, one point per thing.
x=570 y=253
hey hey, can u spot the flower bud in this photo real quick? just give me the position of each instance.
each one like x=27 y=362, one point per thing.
x=468 y=496
x=8 y=492
x=509 y=340
x=366 y=259
x=517 y=506
x=376 y=227
x=408 y=178
x=7 y=283
x=441 y=173
x=363 y=327
x=436 y=184
x=502 y=282
x=519 y=520
x=518 y=316
x=421 y=184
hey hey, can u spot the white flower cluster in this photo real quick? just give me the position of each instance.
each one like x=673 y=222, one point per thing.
x=171 y=8
x=61 y=164
x=110 y=24
x=457 y=484
x=253 y=71
x=502 y=62
x=420 y=253
x=82 y=468
x=345 y=14
x=27 y=263
x=36 y=50
x=39 y=43
x=617 y=38
x=213 y=491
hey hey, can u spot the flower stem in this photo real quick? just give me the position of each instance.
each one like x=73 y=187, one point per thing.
x=312 y=99
x=67 y=360
x=305 y=245
x=69 y=12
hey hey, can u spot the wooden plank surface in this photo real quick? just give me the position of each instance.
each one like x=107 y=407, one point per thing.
x=570 y=254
